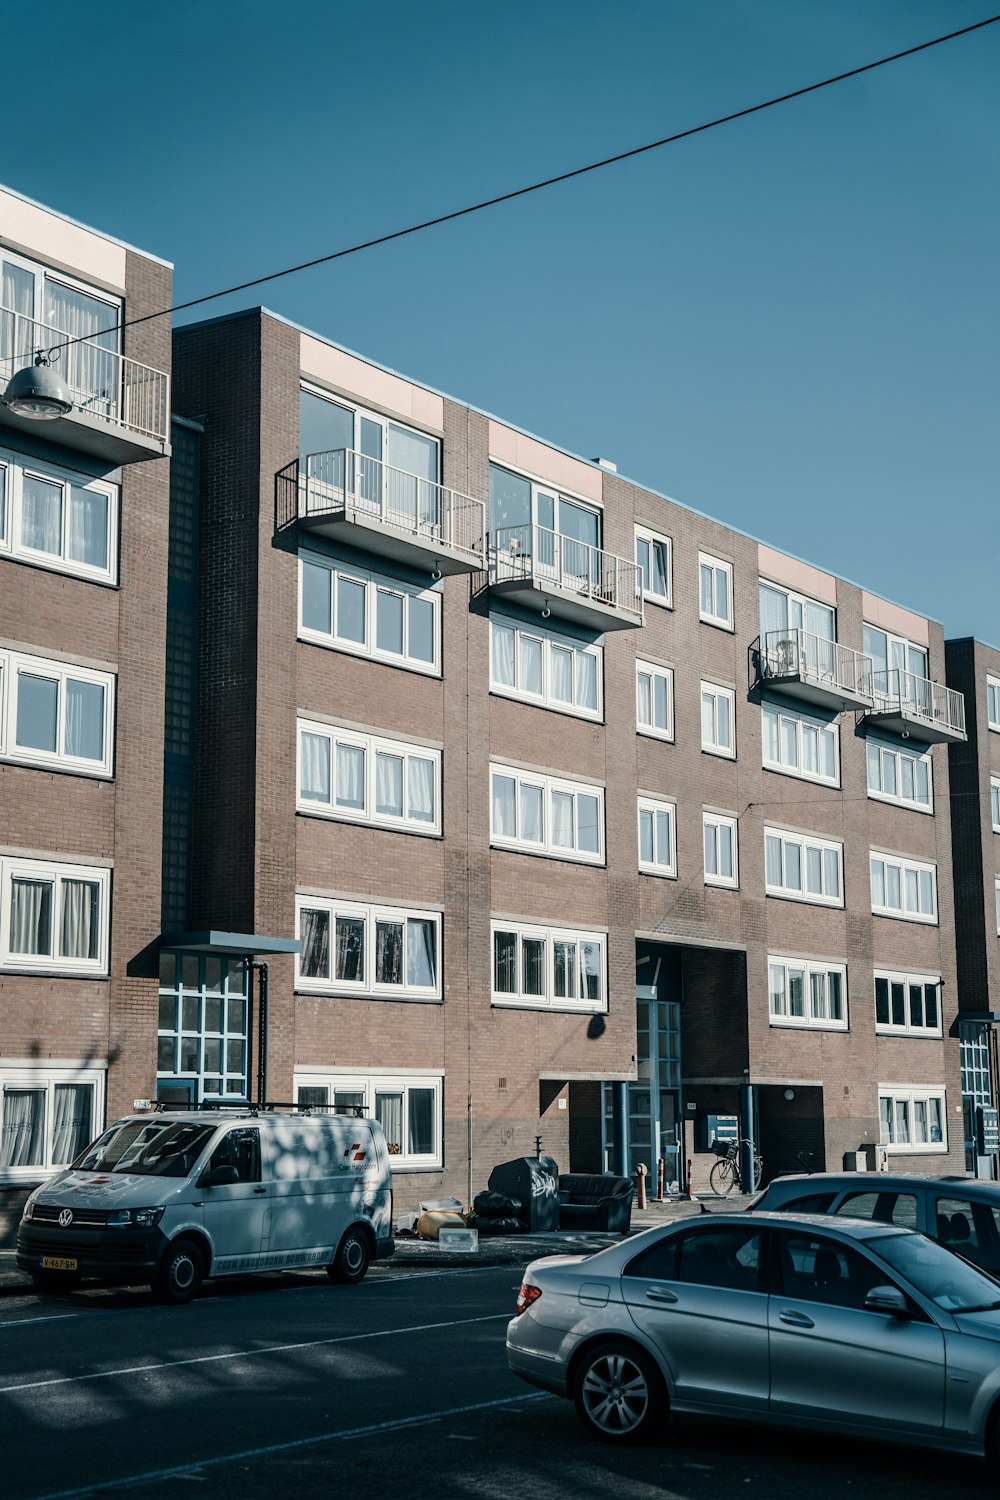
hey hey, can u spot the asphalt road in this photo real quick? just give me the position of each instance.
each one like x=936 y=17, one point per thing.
x=284 y=1385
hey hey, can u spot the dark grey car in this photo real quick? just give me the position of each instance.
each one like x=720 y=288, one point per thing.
x=837 y=1325
x=960 y=1212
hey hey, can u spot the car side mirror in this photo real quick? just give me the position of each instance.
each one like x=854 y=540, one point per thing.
x=221 y=1177
x=887 y=1299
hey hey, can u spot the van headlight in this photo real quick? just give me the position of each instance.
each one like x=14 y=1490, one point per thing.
x=134 y=1218
x=28 y=1211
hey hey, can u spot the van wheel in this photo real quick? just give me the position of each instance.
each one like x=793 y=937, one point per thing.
x=352 y=1259
x=180 y=1275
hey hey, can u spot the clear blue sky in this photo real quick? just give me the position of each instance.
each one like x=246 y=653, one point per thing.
x=791 y=323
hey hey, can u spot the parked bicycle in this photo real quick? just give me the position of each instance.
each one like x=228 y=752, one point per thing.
x=727 y=1173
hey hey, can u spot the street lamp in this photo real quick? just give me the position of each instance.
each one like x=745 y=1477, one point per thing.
x=37 y=392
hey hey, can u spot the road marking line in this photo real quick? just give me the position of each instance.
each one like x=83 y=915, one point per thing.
x=325 y=1437
x=208 y=1359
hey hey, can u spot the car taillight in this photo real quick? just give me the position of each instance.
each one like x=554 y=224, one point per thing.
x=525 y=1297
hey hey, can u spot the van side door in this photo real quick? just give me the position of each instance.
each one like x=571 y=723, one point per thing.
x=235 y=1213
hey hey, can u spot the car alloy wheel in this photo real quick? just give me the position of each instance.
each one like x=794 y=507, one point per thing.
x=618 y=1393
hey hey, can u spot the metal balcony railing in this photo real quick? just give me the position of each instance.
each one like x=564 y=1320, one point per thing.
x=814 y=659
x=102 y=382
x=913 y=697
x=547 y=558
x=343 y=480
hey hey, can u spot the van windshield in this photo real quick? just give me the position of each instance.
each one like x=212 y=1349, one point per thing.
x=151 y=1148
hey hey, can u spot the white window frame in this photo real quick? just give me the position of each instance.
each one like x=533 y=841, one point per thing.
x=550 y=787
x=797 y=601
x=371 y=915
x=653 y=670
x=904 y=867
x=995 y=803
x=810 y=969
x=993 y=702
x=373 y=583
x=908 y=1028
x=714 y=746
x=653 y=538
x=544 y=489
x=56 y=872
x=898 y=755
x=12 y=663
x=996 y=895
x=892 y=638
x=656 y=807
x=803 y=724
x=550 y=936
x=549 y=642
x=372 y=1081
x=911 y=1095
x=16 y=468
x=378 y=418
x=805 y=843
x=371 y=746
x=45 y=1076
x=712 y=824
x=709 y=567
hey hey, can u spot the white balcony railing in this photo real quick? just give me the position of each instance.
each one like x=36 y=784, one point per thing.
x=912 y=697
x=814 y=659
x=546 y=557
x=102 y=382
x=343 y=480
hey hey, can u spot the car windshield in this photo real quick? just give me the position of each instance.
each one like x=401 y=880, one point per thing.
x=151 y=1148
x=944 y=1278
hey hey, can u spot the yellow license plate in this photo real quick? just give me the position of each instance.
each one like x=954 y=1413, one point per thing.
x=59 y=1263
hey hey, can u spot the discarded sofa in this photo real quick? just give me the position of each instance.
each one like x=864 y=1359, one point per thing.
x=595 y=1202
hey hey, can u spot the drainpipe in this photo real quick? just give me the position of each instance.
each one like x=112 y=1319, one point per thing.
x=261 y=968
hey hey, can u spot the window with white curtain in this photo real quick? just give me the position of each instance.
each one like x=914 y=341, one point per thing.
x=652 y=554
x=995 y=803
x=58 y=519
x=654 y=700
x=807 y=993
x=904 y=888
x=355 y=948
x=894 y=653
x=993 y=702
x=721 y=850
x=783 y=610
x=797 y=744
x=408 y=1106
x=549 y=968
x=48 y=1115
x=369 y=614
x=897 y=773
x=54 y=917
x=538 y=814
x=657 y=836
x=715 y=591
x=54 y=715
x=800 y=867
x=907 y=1004
x=543 y=667
x=718 y=720
x=912 y=1118
x=367 y=778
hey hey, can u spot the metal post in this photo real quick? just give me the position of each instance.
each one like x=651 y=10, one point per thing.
x=660 y=1172
x=619 y=1126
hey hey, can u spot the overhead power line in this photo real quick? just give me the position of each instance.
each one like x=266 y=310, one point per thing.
x=547 y=182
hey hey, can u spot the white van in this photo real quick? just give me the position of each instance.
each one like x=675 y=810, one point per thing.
x=174 y=1197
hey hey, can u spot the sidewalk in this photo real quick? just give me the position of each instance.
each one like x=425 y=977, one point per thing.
x=499 y=1250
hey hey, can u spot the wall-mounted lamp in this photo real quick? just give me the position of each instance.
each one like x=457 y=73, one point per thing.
x=789 y=1095
x=545 y=610
x=37 y=391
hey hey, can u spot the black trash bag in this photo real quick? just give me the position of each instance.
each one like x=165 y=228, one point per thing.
x=499 y=1226
x=495 y=1205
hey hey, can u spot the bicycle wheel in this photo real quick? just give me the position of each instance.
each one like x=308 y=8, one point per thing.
x=722 y=1178
x=758 y=1170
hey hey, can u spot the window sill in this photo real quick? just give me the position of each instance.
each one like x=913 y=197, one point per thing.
x=561 y=859
x=717 y=624
x=556 y=1007
x=586 y=716
x=373 y=827
x=657 y=874
x=796 y=775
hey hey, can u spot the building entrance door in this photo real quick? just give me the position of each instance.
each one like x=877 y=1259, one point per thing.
x=652 y=1120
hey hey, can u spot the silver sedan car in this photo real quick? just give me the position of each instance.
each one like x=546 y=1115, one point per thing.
x=842 y=1326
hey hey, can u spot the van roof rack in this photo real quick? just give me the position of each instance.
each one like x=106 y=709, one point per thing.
x=246 y=1106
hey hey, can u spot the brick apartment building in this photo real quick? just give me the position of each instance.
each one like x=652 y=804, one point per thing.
x=500 y=796
x=589 y=813
x=83 y=531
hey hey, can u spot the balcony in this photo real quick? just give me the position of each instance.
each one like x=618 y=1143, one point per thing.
x=814 y=669
x=121 y=410
x=349 y=497
x=557 y=575
x=916 y=708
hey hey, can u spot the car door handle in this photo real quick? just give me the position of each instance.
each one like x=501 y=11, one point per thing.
x=260 y=1190
x=659 y=1294
x=796 y=1319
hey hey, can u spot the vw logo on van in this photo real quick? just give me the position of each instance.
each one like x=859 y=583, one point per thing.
x=66 y=1218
